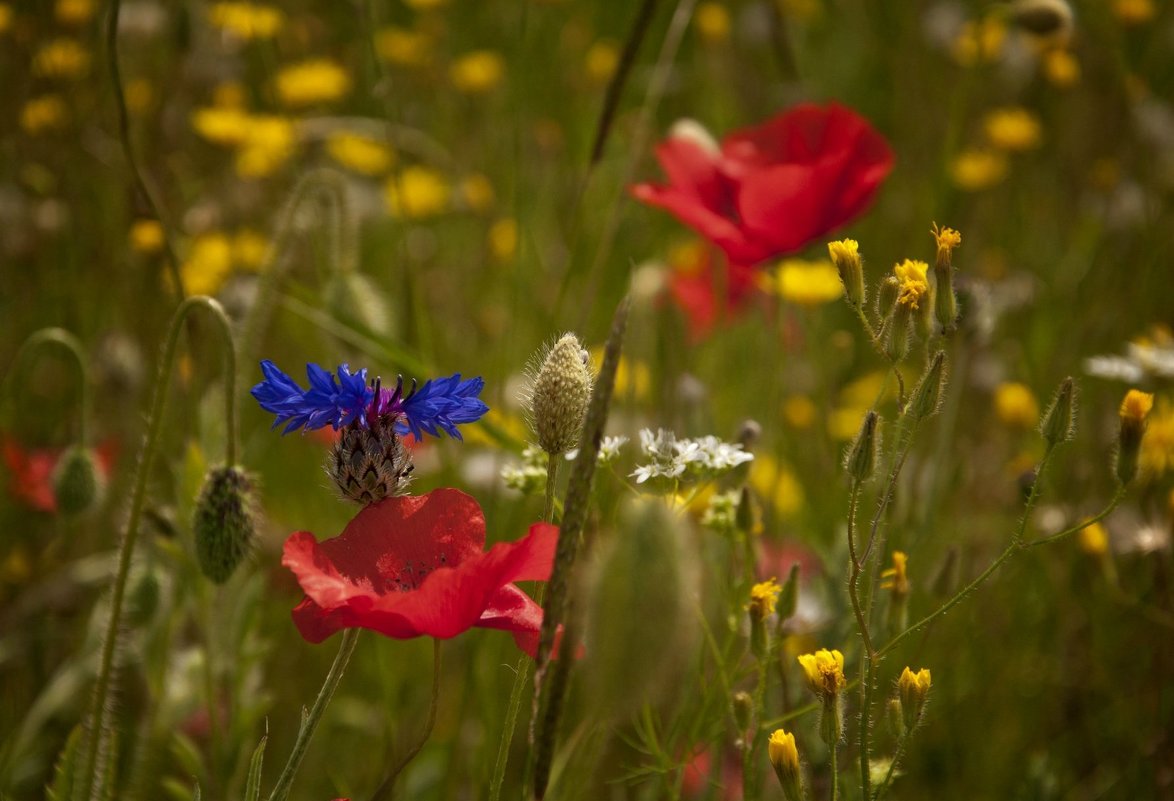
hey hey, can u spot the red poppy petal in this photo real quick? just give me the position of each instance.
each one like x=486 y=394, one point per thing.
x=786 y=206
x=721 y=231
x=693 y=170
x=514 y=611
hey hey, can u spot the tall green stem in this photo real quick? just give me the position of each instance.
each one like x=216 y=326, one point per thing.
x=98 y=707
x=311 y=719
x=836 y=774
x=63 y=339
x=384 y=791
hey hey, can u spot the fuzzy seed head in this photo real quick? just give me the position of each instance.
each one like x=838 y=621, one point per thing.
x=369 y=464
x=77 y=482
x=223 y=523
x=559 y=395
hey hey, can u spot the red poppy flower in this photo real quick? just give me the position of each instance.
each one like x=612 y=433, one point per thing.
x=769 y=190
x=708 y=290
x=414 y=565
x=31 y=471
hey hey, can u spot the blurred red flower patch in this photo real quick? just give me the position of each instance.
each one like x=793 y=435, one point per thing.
x=30 y=471
x=415 y=566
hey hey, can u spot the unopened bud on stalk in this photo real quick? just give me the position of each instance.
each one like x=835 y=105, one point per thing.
x=886 y=298
x=897 y=335
x=784 y=758
x=559 y=395
x=914 y=689
x=945 y=303
x=1059 y=422
x=927 y=395
x=861 y=459
x=895 y=717
x=846 y=256
x=743 y=705
x=223 y=523
x=1135 y=408
x=763 y=597
x=77 y=482
x=824 y=671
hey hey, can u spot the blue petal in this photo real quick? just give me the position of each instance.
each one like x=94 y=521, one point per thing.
x=441 y=404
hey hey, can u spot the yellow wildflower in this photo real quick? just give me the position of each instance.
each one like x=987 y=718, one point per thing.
x=824 y=670
x=1061 y=67
x=1093 y=540
x=360 y=154
x=896 y=578
x=807 y=283
x=763 y=597
x=404 y=47
x=980 y=41
x=913 y=689
x=713 y=22
x=269 y=142
x=1016 y=405
x=222 y=126
x=311 y=82
x=249 y=249
x=784 y=758
x=146 y=236
x=845 y=254
x=477 y=192
x=61 y=58
x=974 y=170
x=43 y=113
x=601 y=61
x=503 y=239
x=417 y=192
x=777 y=484
x=74 y=12
x=914 y=284
x=246 y=20
x=1134 y=12
x=1012 y=128
x=208 y=264
x=1136 y=406
x=477 y=72
x=947 y=239
x=1157 y=449
x=632 y=376
x=800 y=412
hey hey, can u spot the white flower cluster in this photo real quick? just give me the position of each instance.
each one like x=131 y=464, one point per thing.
x=609 y=450
x=686 y=459
x=1141 y=361
x=528 y=477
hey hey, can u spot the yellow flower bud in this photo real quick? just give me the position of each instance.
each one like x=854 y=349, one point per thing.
x=846 y=256
x=784 y=758
x=1135 y=408
x=914 y=689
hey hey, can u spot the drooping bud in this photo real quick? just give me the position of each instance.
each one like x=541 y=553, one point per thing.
x=945 y=302
x=1059 y=421
x=559 y=395
x=77 y=482
x=846 y=256
x=370 y=463
x=223 y=523
x=914 y=689
x=927 y=395
x=784 y=758
x=1135 y=408
x=861 y=459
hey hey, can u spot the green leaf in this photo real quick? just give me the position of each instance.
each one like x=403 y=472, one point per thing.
x=253 y=784
x=63 y=772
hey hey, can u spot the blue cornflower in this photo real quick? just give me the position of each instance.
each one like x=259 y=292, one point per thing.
x=440 y=405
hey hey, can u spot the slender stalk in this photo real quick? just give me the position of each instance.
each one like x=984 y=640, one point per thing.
x=619 y=79
x=867 y=680
x=856 y=568
x=128 y=149
x=553 y=462
x=98 y=707
x=836 y=775
x=63 y=339
x=311 y=719
x=384 y=791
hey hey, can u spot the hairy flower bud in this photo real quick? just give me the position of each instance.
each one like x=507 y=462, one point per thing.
x=1135 y=408
x=846 y=256
x=861 y=458
x=913 y=689
x=945 y=301
x=927 y=395
x=784 y=758
x=77 y=481
x=559 y=395
x=223 y=522
x=743 y=708
x=886 y=298
x=1059 y=421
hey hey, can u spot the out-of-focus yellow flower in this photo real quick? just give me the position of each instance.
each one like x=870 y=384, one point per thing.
x=979 y=41
x=360 y=154
x=1157 y=447
x=477 y=72
x=777 y=484
x=1061 y=67
x=914 y=284
x=808 y=283
x=602 y=59
x=713 y=22
x=763 y=597
x=249 y=249
x=1016 y=405
x=311 y=82
x=824 y=671
x=1012 y=128
x=404 y=47
x=222 y=126
x=269 y=143
x=417 y=192
x=1093 y=540
x=146 y=236
x=632 y=375
x=1134 y=12
x=1136 y=406
x=896 y=578
x=975 y=170
x=139 y=95
x=5 y=17
x=854 y=401
x=208 y=265
x=229 y=94
x=74 y=12
x=477 y=192
x=44 y=113
x=61 y=58
x=503 y=239
x=246 y=20
x=800 y=412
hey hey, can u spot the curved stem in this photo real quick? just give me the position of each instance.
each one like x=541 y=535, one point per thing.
x=311 y=719
x=128 y=150
x=66 y=340
x=384 y=791
x=98 y=706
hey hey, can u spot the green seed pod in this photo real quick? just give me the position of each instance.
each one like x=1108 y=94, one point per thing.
x=927 y=395
x=223 y=522
x=1059 y=421
x=77 y=483
x=559 y=395
x=861 y=459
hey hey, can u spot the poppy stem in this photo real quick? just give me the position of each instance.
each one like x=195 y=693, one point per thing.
x=384 y=791
x=66 y=340
x=311 y=719
x=553 y=462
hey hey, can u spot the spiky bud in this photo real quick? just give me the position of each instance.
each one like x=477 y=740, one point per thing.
x=559 y=395
x=895 y=716
x=223 y=523
x=1135 y=408
x=897 y=333
x=369 y=463
x=1059 y=421
x=927 y=395
x=861 y=459
x=77 y=482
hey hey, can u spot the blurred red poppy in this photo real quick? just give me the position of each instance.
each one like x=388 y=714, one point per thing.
x=769 y=190
x=708 y=290
x=30 y=470
x=414 y=566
